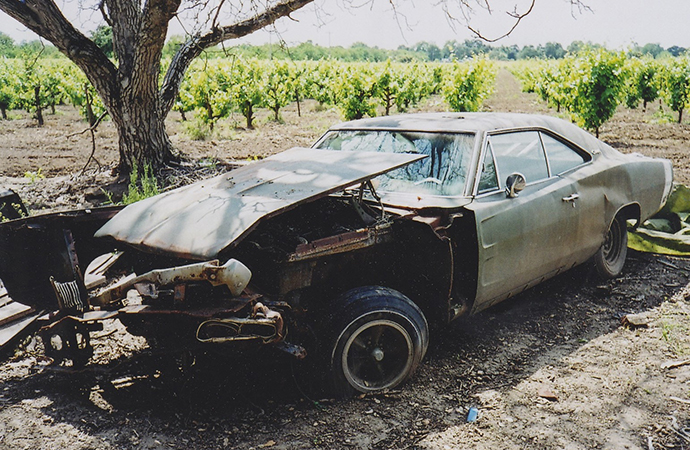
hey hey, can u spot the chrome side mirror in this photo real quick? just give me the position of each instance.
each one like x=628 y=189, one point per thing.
x=514 y=184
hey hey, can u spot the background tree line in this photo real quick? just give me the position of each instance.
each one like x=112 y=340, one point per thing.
x=308 y=51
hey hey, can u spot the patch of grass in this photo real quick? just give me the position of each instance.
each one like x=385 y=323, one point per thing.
x=675 y=332
x=661 y=116
x=196 y=129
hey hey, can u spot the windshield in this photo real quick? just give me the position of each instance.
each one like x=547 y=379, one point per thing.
x=442 y=172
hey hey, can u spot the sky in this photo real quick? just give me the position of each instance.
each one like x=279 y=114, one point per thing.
x=614 y=23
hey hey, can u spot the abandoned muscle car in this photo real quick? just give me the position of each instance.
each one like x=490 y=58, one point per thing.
x=349 y=250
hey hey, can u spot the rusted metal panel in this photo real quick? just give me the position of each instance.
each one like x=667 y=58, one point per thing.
x=200 y=220
x=340 y=243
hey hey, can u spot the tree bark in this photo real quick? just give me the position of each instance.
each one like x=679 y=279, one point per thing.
x=37 y=105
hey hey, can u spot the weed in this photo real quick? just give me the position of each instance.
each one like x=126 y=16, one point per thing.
x=661 y=116
x=197 y=129
x=211 y=163
x=34 y=176
x=109 y=195
x=140 y=187
x=674 y=333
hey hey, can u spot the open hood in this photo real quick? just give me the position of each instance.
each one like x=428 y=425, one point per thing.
x=200 y=220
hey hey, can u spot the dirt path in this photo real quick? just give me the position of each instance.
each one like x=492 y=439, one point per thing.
x=552 y=368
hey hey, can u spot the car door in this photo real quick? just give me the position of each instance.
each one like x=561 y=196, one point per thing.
x=525 y=239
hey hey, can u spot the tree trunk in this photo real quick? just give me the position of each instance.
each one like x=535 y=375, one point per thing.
x=680 y=115
x=299 y=111
x=90 y=116
x=143 y=139
x=37 y=105
x=248 y=112
x=3 y=111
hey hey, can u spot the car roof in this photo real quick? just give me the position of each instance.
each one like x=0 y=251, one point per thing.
x=472 y=122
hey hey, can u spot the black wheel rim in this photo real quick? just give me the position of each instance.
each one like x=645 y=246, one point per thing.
x=613 y=244
x=378 y=355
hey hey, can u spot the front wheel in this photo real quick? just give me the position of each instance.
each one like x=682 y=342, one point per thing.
x=610 y=258
x=381 y=337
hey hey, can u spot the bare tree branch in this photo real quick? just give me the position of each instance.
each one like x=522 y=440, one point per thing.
x=467 y=9
x=514 y=14
x=198 y=43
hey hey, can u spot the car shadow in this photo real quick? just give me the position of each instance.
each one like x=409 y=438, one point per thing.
x=249 y=400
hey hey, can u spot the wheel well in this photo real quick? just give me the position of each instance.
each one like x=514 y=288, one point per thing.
x=630 y=212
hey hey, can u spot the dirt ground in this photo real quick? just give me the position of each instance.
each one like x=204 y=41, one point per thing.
x=553 y=368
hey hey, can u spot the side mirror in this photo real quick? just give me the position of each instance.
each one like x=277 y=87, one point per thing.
x=514 y=184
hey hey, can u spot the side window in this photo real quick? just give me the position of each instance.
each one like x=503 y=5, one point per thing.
x=519 y=152
x=561 y=157
x=487 y=178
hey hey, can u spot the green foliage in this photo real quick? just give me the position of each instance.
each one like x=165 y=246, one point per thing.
x=598 y=87
x=589 y=85
x=206 y=92
x=142 y=187
x=468 y=84
x=320 y=81
x=642 y=81
x=172 y=46
x=632 y=68
x=197 y=129
x=402 y=85
x=81 y=93
x=355 y=87
x=40 y=85
x=9 y=81
x=7 y=47
x=102 y=36
x=676 y=85
x=648 y=82
x=247 y=88
x=34 y=176
x=279 y=87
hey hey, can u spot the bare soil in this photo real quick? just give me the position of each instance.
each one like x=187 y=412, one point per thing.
x=553 y=368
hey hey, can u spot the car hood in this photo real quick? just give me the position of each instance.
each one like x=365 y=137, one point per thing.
x=198 y=221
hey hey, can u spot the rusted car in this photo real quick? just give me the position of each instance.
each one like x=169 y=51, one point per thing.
x=346 y=252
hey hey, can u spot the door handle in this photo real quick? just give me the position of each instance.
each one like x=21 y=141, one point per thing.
x=571 y=199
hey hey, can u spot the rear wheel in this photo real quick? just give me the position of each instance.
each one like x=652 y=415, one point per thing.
x=610 y=258
x=381 y=337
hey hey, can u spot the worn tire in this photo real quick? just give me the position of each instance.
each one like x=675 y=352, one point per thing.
x=379 y=338
x=610 y=258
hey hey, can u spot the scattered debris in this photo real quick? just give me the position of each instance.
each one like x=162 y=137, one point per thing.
x=641 y=320
x=546 y=393
x=472 y=414
x=674 y=364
